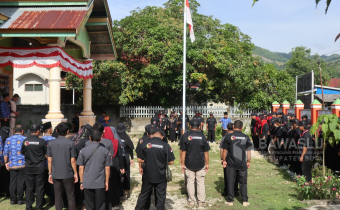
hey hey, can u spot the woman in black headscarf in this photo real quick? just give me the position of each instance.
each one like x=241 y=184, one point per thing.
x=128 y=147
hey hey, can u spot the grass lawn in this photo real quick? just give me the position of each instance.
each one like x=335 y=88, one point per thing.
x=269 y=187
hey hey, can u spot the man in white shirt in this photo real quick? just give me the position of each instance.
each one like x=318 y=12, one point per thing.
x=14 y=112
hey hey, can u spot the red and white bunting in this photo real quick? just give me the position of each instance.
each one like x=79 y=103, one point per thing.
x=44 y=57
x=189 y=21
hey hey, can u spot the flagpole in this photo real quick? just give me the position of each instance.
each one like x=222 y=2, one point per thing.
x=184 y=64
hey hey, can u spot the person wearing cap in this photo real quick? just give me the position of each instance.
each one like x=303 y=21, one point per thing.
x=47 y=136
x=15 y=163
x=225 y=120
x=14 y=112
x=155 y=119
x=305 y=150
x=34 y=150
x=94 y=172
x=198 y=118
x=211 y=127
x=172 y=128
x=236 y=159
x=156 y=155
x=295 y=163
x=163 y=121
x=5 y=107
x=194 y=150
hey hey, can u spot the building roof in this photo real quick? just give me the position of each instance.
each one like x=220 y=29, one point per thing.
x=43 y=18
x=328 y=98
x=334 y=82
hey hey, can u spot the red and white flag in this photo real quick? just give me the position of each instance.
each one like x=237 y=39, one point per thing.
x=189 y=21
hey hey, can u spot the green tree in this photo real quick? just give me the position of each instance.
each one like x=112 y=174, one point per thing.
x=302 y=62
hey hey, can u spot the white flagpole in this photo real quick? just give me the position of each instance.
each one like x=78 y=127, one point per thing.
x=184 y=64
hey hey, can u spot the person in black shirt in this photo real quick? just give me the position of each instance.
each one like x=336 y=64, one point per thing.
x=75 y=123
x=211 y=128
x=156 y=155
x=253 y=131
x=155 y=119
x=236 y=158
x=34 y=150
x=305 y=150
x=195 y=161
x=180 y=126
x=173 y=128
x=264 y=136
x=62 y=167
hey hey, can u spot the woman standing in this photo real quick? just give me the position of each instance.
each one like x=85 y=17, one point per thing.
x=128 y=147
x=173 y=128
x=116 y=169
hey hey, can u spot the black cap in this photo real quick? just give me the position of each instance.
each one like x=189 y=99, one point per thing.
x=293 y=115
x=154 y=130
x=274 y=113
x=303 y=123
x=47 y=125
x=295 y=121
x=195 y=123
x=309 y=122
x=35 y=127
x=211 y=113
x=121 y=128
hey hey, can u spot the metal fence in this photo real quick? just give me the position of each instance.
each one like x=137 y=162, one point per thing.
x=149 y=111
x=236 y=111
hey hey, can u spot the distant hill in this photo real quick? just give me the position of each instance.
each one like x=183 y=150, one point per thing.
x=279 y=59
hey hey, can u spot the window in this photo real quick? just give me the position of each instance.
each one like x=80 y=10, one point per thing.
x=33 y=87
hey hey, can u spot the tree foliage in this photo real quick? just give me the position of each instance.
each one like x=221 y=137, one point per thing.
x=303 y=62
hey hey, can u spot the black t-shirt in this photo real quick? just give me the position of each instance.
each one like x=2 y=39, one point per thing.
x=34 y=150
x=173 y=123
x=61 y=150
x=144 y=139
x=237 y=144
x=180 y=119
x=306 y=140
x=163 y=122
x=195 y=144
x=75 y=122
x=155 y=120
x=155 y=153
x=211 y=123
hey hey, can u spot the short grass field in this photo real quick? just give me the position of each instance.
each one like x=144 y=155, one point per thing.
x=269 y=187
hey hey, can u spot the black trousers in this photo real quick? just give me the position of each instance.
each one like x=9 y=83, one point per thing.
x=4 y=180
x=114 y=186
x=95 y=199
x=255 y=141
x=306 y=170
x=226 y=183
x=126 y=183
x=242 y=178
x=59 y=186
x=16 y=184
x=34 y=181
x=224 y=132
x=179 y=128
x=160 y=190
x=49 y=189
x=211 y=135
x=5 y=123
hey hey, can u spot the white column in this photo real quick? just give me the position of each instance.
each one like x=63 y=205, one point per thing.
x=54 y=86
x=87 y=98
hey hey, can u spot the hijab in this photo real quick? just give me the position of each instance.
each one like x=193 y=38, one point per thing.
x=108 y=134
x=116 y=136
x=83 y=133
x=121 y=130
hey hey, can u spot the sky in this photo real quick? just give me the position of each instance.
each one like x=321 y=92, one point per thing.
x=276 y=25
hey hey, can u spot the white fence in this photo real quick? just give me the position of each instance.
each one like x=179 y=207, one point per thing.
x=149 y=111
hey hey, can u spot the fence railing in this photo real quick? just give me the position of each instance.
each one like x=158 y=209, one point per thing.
x=149 y=111
x=236 y=111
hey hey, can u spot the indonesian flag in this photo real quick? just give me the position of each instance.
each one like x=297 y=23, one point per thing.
x=189 y=21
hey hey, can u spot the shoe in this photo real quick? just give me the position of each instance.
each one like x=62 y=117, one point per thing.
x=21 y=202
x=246 y=203
x=229 y=203
x=14 y=203
x=191 y=204
x=201 y=204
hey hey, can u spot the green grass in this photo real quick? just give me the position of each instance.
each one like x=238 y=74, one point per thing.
x=269 y=187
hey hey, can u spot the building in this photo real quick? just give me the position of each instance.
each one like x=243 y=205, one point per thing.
x=41 y=39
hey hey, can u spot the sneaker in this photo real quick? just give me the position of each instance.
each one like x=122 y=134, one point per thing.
x=229 y=203
x=201 y=204
x=246 y=203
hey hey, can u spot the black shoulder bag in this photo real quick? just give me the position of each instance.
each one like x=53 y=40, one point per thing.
x=168 y=171
x=87 y=160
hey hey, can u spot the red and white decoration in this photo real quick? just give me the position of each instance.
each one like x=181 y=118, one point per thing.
x=189 y=21
x=44 y=57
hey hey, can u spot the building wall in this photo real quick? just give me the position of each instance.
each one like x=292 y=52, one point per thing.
x=32 y=75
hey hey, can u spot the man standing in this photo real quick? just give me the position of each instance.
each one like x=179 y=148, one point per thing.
x=14 y=112
x=180 y=119
x=236 y=159
x=94 y=171
x=5 y=110
x=211 y=128
x=156 y=155
x=62 y=167
x=104 y=119
x=195 y=161
x=75 y=123
x=305 y=150
x=225 y=120
x=15 y=163
x=34 y=150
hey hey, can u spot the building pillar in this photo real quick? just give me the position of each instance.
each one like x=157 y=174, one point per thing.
x=315 y=106
x=54 y=115
x=299 y=105
x=336 y=107
x=87 y=116
x=285 y=107
x=275 y=106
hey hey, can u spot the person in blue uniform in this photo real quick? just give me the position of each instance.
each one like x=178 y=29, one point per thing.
x=15 y=163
